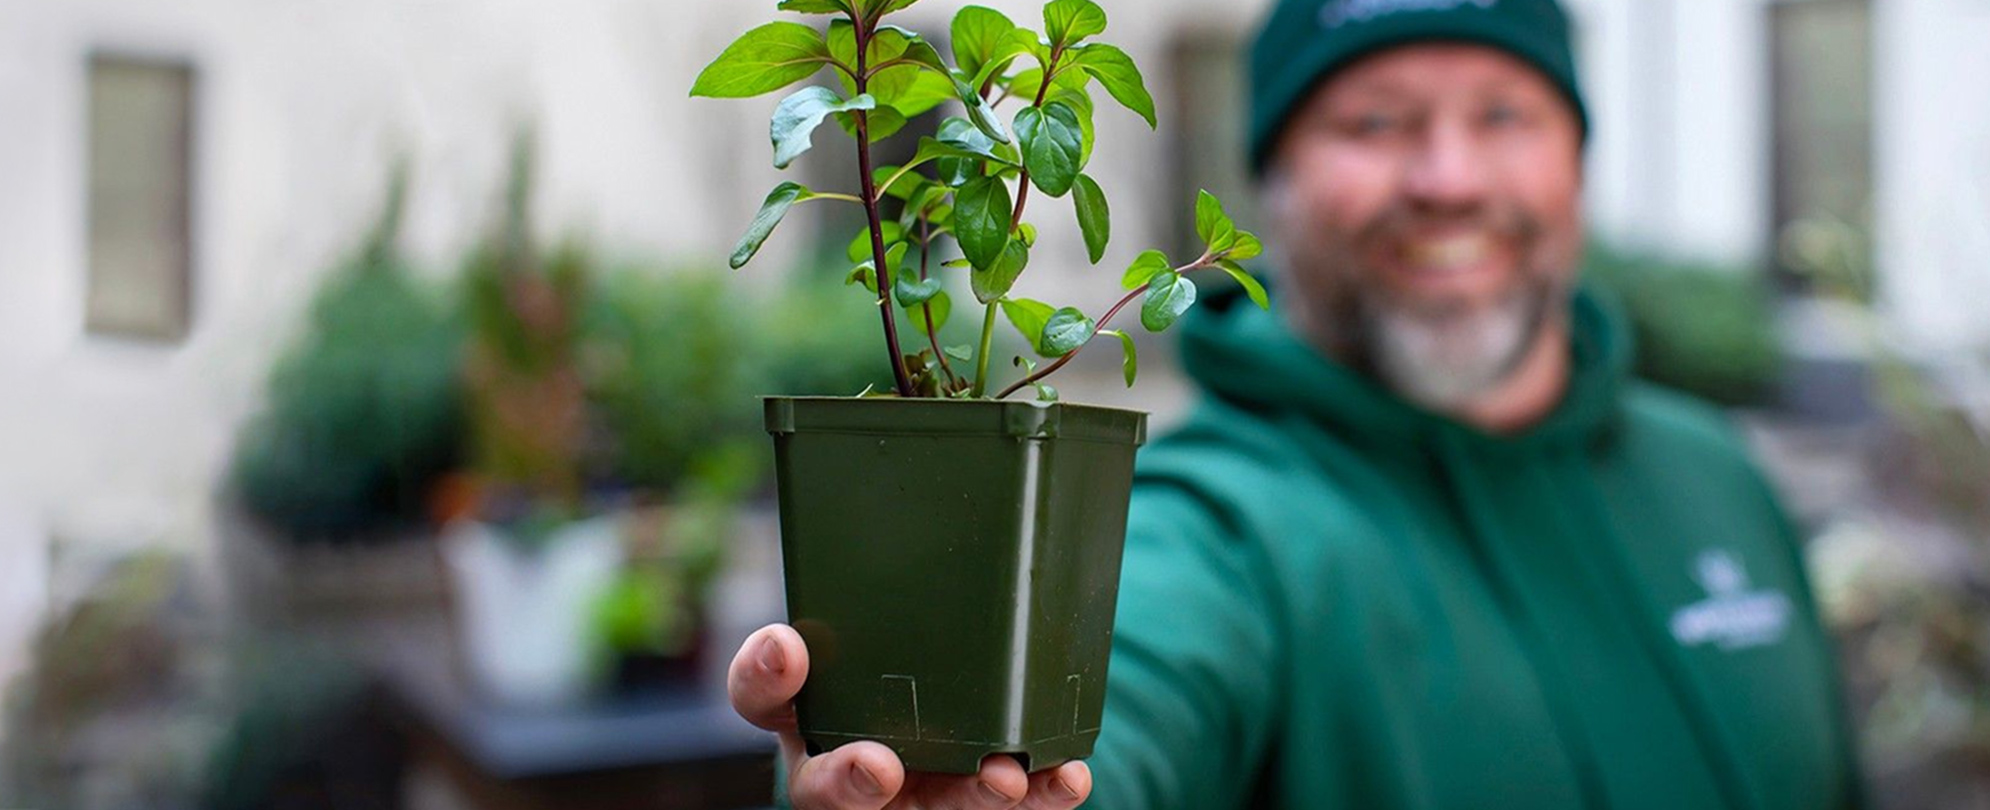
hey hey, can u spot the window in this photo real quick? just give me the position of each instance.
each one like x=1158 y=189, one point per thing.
x=1821 y=53
x=140 y=178
x=1207 y=68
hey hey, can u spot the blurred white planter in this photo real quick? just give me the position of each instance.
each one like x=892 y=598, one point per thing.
x=524 y=616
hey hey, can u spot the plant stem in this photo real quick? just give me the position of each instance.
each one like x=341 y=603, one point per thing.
x=981 y=356
x=1015 y=225
x=932 y=332
x=870 y=196
x=1097 y=326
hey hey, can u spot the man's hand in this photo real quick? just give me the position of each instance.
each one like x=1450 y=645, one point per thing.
x=765 y=677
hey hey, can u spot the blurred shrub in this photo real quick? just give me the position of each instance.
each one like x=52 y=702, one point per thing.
x=373 y=406
x=1703 y=329
x=526 y=397
x=364 y=411
x=113 y=709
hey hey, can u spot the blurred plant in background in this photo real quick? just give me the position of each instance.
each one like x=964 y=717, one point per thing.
x=1904 y=571
x=526 y=398
x=1703 y=329
x=364 y=412
x=539 y=388
x=118 y=707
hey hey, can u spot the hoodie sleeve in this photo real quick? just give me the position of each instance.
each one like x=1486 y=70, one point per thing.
x=1190 y=705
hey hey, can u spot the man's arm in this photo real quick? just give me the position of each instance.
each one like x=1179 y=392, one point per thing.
x=1193 y=687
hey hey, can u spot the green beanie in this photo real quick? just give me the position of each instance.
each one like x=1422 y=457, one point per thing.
x=1303 y=41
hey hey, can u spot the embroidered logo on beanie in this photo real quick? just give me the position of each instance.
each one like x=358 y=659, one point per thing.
x=1336 y=14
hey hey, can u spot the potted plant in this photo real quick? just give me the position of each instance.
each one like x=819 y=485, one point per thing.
x=529 y=556
x=952 y=556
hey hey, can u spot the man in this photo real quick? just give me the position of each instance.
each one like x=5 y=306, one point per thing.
x=1424 y=544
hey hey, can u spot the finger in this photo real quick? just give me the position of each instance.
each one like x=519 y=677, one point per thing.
x=858 y=776
x=765 y=676
x=1060 y=788
x=1000 y=784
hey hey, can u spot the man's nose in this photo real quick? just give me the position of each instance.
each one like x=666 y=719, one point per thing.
x=1448 y=173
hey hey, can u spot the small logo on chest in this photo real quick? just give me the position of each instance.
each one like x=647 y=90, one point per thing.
x=1733 y=616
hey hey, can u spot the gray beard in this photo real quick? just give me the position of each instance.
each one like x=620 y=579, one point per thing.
x=1445 y=359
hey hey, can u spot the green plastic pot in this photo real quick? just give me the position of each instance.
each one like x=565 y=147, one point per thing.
x=953 y=567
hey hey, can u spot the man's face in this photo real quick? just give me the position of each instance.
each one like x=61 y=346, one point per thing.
x=1427 y=203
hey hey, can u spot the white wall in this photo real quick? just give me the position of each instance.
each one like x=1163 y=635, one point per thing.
x=1933 y=169
x=1678 y=95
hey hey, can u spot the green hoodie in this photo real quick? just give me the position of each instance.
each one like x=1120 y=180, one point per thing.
x=1333 y=599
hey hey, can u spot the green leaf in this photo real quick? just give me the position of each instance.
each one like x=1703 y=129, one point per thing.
x=995 y=282
x=1094 y=217
x=897 y=86
x=772 y=210
x=1066 y=330
x=1212 y=225
x=1070 y=21
x=980 y=112
x=816 y=6
x=962 y=352
x=1027 y=232
x=920 y=201
x=883 y=122
x=912 y=293
x=1051 y=141
x=1250 y=283
x=763 y=60
x=1025 y=41
x=877 y=8
x=894 y=257
x=1080 y=102
x=981 y=220
x=958 y=132
x=1116 y=71
x=1246 y=246
x=1017 y=42
x=942 y=306
x=860 y=247
x=1024 y=85
x=914 y=48
x=981 y=149
x=904 y=188
x=928 y=90
x=1129 y=363
x=797 y=116
x=1169 y=297
x=867 y=273
x=977 y=37
x=1029 y=318
x=1145 y=267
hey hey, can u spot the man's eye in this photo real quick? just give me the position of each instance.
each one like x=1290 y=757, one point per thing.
x=1500 y=115
x=1375 y=124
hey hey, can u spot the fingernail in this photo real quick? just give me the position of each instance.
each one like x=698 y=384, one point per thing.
x=770 y=656
x=1062 y=790
x=866 y=783
x=988 y=791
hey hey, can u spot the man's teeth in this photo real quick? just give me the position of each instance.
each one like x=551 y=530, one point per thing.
x=1453 y=253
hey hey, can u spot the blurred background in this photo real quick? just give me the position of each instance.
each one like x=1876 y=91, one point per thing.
x=286 y=287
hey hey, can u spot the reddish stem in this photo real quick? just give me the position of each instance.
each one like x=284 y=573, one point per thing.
x=870 y=194
x=1097 y=327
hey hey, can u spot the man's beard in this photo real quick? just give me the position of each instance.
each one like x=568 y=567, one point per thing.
x=1444 y=362
x=1440 y=354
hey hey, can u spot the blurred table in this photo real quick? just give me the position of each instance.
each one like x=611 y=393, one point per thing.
x=669 y=749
